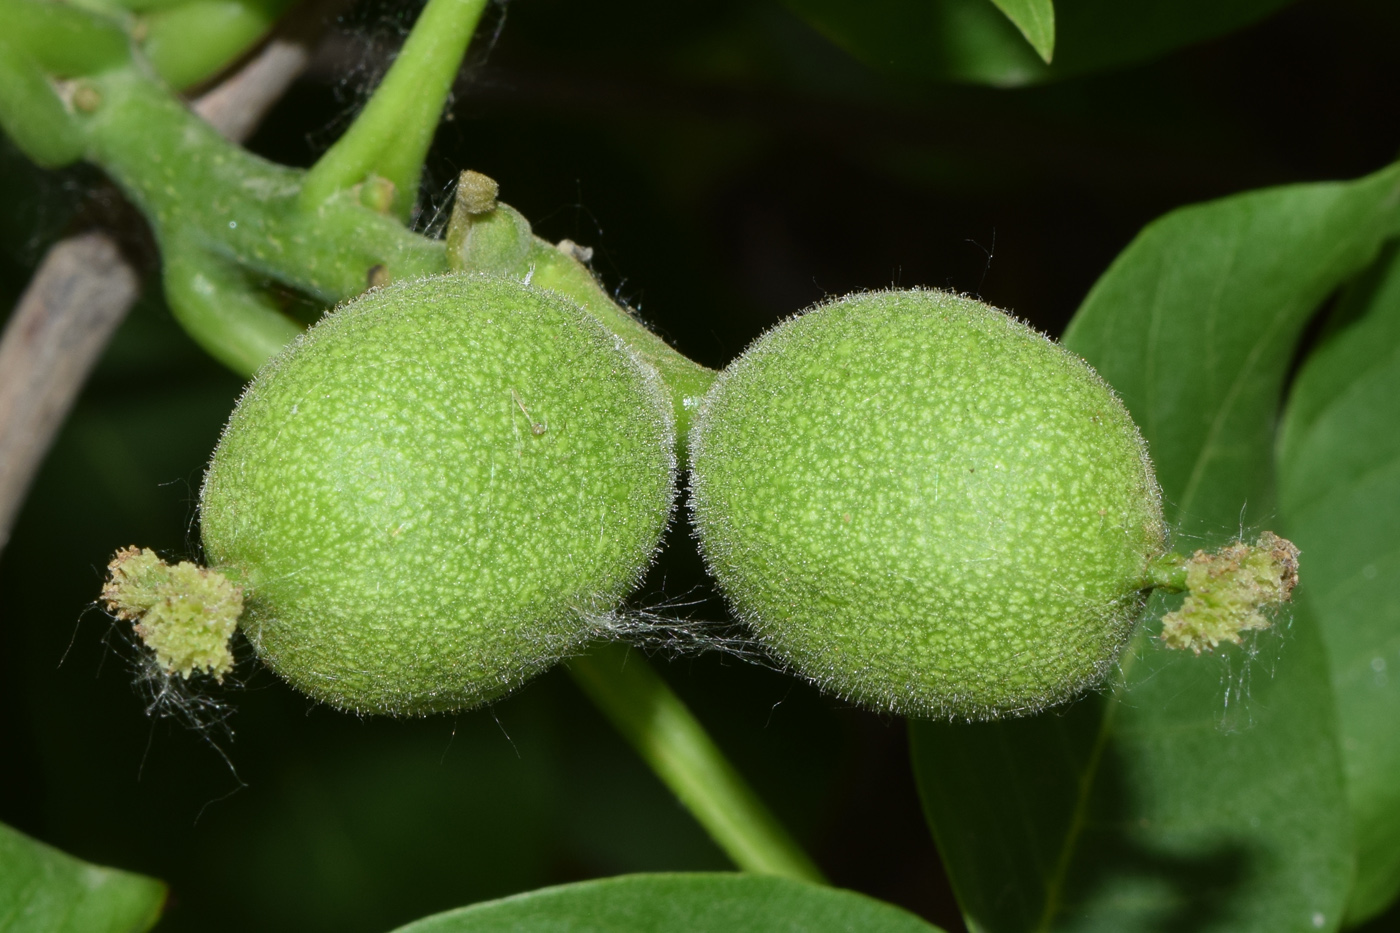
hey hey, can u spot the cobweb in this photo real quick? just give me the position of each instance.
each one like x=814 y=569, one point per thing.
x=665 y=626
x=200 y=703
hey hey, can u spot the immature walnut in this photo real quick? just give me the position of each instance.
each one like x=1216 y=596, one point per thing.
x=428 y=497
x=926 y=506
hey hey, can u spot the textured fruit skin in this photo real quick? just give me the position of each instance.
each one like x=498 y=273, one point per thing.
x=428 y=496
x=925 y=506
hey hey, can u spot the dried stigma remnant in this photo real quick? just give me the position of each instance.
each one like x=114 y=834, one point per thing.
x=183 y=612
x=1231 y=592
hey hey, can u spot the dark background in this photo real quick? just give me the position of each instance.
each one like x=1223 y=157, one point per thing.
x=730 y=166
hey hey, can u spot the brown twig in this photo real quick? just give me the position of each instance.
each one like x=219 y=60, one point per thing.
x=236 y=106
x=84 y=287
x=79 y=295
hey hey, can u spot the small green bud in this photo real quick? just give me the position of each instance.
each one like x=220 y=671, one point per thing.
x=183 y=612
x=484 y=235
x=432 y=496
x=85 y=97
x=377 y=194
x=925 y=506
x=476 y=193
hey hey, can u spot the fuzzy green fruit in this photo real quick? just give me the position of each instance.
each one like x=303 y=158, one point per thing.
x=431 y=496
x=925 y=506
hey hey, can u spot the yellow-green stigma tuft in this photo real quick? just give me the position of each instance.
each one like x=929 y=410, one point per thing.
x=185 y=613
x=1231 y=592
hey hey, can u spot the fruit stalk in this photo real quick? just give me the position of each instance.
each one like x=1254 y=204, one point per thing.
x=671 y=740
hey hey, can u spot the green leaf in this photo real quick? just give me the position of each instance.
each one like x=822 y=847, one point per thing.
x=42 y=888
x=967 y=40
x=1177 y=800
x=695 y=903
x=955 y=40
x=1196 y=321
x=1036 y=20
x=1339 y=493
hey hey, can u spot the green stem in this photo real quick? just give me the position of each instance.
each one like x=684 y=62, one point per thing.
x=674 y=744
x=1167 y=572
x=686 y=379
x=390 y=137
x=32 y=115
x=200 y=190
x=63 y=40
x=231 y=319
x=329 y=232
x=192 y=41
x=206 y=196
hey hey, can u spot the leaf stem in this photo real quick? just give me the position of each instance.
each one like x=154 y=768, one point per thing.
x=390 y=137
x=676 y=747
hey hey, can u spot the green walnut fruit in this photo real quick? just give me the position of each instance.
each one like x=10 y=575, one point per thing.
x=926 y=506
x=433 y=494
